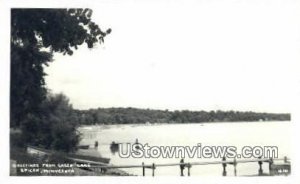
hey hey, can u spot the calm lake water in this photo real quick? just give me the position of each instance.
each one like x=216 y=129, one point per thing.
x=208 y=134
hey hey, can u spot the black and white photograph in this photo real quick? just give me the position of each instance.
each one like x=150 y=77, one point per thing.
x=153 y=89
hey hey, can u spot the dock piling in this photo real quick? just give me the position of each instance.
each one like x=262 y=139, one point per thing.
x=153 y=168
x=260 y=171
x=224 y=166
x=189 y=168
x=234 y=165
x=270 y=166
x=182 y=165
x=143 y=165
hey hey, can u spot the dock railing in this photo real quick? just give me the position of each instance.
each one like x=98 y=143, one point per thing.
x=279 y=169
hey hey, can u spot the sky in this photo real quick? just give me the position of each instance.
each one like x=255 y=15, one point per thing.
x=195 y=55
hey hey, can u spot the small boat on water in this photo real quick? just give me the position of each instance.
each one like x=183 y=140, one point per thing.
x=83 y=146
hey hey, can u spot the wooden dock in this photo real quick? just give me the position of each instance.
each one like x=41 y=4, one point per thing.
x=101 y=164
x=274 y=169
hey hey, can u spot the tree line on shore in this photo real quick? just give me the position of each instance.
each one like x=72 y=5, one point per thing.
x=139 y=116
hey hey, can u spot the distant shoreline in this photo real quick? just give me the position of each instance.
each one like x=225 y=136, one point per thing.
x=201 y=123
x=149 y=116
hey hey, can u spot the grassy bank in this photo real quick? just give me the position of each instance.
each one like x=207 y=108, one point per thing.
x=25 y=164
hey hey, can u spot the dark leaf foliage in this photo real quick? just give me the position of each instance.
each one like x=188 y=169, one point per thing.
x=35 y=35
x=61 y=30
